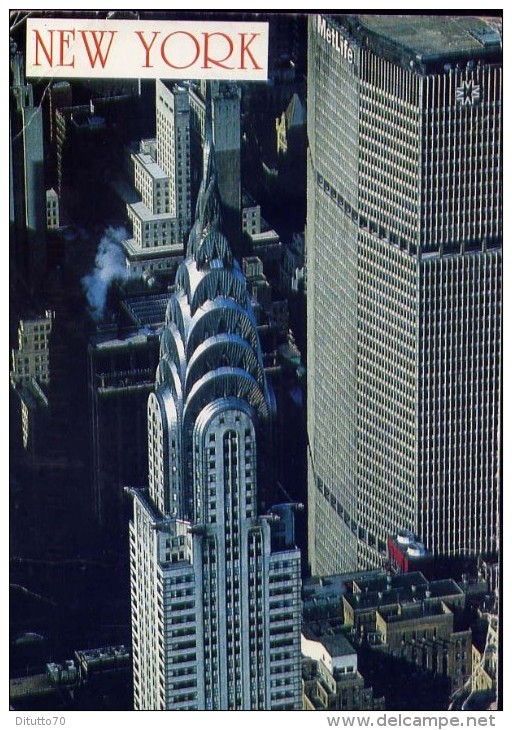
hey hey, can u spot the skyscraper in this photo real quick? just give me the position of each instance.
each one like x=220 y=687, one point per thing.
x=215 y=111
x=404 y=285
x=161 y=171
x=28 y=197
x=215 y=587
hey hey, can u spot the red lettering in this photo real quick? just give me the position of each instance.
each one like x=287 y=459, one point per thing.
x=164 y=56
x=147 y=48
x=64 y=45
x=244 y=49
x=99 y=55
x=40 y=44
x=219 y=61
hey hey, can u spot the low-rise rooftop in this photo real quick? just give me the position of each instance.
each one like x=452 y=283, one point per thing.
x=376 y=596
x=336 y=643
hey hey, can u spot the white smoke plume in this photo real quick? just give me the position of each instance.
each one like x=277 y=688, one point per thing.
x=109 y=264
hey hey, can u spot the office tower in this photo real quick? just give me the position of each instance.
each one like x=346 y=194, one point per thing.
x=30 y=378
x=32 y=358
x=83 y=145
x=404 y=285
x=121 y=368
x=215 y=114
x=60 y=96
x=161 y=169
x=28 y=196
x=215 y=587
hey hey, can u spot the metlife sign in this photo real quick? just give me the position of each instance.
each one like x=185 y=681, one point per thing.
x=333 y=36
x=69 y=48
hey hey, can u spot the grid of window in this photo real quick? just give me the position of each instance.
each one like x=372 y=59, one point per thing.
x=151 y=184
x=332 y=307
x=389 y=118
x=284 y=610
x=459 y=401
x=173 y=149
x=32 y=359
x=386 y=378
x=145 y=641
x=158 y=484
x=461 y=162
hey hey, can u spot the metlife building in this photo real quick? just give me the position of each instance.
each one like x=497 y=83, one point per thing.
x=404 y=241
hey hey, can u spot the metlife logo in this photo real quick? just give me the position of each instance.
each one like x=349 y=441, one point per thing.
x=335 y=38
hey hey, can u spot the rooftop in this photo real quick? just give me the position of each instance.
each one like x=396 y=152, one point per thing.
x=106 y=652
x=129 y=340
x=371 y=582
x=137 y=253
x=426 y=38
x=399 y=614
x=147 y=310
x=434 y=35
x=142 y=212
x=36 y=684
x=31 y=394
x=150 y=165
x=378 y=595
x=336 y=644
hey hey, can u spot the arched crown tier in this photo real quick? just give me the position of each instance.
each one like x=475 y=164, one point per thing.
x=223 y=350
x=214 y=246
x=172 y=349
x=223 y=383
x=201 y=285
x=222 y=316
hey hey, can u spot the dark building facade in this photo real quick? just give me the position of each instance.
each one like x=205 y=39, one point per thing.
x=215 y=111
x=26 y=181
x=121 y=376
x=404 y=285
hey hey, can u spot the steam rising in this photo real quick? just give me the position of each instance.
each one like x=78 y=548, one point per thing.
x=109 y=264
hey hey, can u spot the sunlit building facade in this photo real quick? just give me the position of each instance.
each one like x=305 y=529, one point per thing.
x=404 y=241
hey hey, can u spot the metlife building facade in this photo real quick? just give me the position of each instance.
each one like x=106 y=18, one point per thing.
x=404 y=240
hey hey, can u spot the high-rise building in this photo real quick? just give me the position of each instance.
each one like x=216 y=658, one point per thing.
x=216 y=602
x=27 y=188
x=30 y=378
x=404 y=239
x=215 y=113
x=162 y=217
x=121 y=368
x=32 y=358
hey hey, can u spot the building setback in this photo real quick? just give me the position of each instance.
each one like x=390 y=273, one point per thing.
x=162 y=217
x=404 y=239
x=215 y=586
